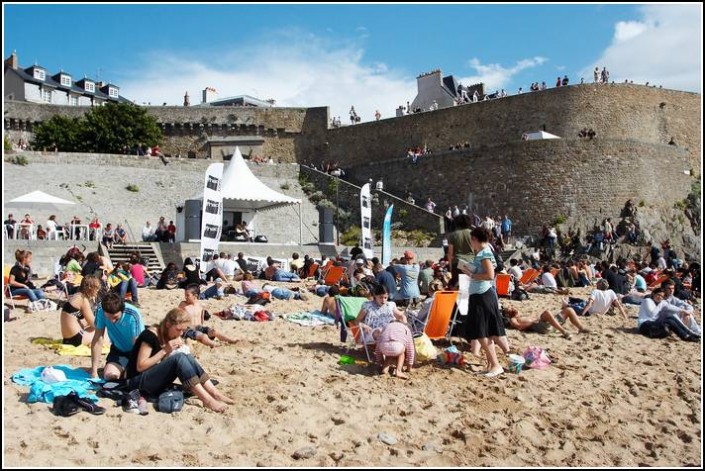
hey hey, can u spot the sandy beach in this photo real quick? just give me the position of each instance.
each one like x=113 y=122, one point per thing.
x=610 y=398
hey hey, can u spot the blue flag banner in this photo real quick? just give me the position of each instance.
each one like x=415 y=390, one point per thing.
x=387 y=237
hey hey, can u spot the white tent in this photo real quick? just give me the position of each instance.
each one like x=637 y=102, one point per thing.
x=38 y=199
x=243 y=192
x=534 y=136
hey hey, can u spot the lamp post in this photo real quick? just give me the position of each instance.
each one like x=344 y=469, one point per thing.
x=337 y=220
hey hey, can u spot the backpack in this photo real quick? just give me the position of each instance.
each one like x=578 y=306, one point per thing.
x=536 y=357
x=519 y=294
x=170 y=401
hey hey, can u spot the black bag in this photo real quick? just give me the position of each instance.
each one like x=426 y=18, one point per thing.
x=519 y=294
x=170 y=401
x=261 y=238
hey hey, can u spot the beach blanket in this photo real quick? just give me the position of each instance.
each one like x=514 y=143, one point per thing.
x=69 y=350
x=309 y=319
x=77 y=380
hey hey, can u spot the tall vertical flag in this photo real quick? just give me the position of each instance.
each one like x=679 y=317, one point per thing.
x=212 y=219
x=387 y=237
x=366 y=216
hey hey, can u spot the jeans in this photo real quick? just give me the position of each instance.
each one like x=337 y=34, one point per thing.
x=132 y=285
x=214 y=290
x=283 y=293
x=660 y=328
x=160 y=376
x=32 y=294
x=281 y=275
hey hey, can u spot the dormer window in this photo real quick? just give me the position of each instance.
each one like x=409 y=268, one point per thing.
x=112 y=92
x=39 y=74
x=66 y=80
x=90 y=87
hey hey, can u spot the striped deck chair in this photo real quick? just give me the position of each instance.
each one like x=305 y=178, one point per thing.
x=346 y=309
x=657 y=282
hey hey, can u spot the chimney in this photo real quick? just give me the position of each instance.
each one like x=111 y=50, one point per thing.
x=186 y=100
x=11 y=61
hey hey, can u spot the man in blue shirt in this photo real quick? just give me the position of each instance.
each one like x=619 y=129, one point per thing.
x=124 y=324
x=386 y=279
x=506 y=228
x=408 y=271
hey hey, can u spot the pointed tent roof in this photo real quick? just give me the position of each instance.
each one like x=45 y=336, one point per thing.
x=39 y=197
x=240 y=185
x=533 y=136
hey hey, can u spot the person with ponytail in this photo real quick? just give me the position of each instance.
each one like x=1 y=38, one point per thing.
x=159 y=357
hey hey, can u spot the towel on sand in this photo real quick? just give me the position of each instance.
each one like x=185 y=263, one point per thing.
x=69 y=350
x=77 y=380
x=310 y=319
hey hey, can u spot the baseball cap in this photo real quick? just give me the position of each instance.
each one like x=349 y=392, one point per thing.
x=408 y=254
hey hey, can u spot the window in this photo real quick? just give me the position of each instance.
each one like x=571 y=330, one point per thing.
x=112 y=92
x=39 y=74
x=73 y=101
x=65 y=80
x=90 y=87
x=46 y=96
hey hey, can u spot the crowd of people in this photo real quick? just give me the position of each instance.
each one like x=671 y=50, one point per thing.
x=27 y=228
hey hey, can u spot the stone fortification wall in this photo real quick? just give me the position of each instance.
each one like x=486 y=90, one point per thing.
x=618 y=111
x=537 y=181
x=288 y=134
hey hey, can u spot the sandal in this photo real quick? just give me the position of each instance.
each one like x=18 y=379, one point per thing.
x=86 y=404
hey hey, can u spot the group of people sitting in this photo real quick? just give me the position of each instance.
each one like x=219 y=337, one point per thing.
x=162 y=233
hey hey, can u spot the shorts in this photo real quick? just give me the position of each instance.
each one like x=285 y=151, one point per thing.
x=192 y=332
x=119 y=358
x=392 y=348
x=76 y=340
x=543 y=327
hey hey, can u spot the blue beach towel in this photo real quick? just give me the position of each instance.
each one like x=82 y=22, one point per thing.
x=77 y=380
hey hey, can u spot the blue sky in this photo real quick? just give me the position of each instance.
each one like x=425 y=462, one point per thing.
x=342 y=55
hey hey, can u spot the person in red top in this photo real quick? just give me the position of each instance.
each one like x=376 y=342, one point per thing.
x=94 y=224
x=172 y=232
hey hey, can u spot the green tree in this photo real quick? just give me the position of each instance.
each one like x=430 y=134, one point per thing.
x=60 y=131
x=111 y=127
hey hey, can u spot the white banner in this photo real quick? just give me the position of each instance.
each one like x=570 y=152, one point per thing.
x=212 y=215
x=366 y=221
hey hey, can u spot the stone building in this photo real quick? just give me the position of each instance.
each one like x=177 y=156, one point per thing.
x=34 y=84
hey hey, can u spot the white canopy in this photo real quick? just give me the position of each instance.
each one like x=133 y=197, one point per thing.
x=241 y=189
x=38 y=199
x=533 y=136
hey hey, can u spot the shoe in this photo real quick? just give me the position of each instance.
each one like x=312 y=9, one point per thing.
x=567 y=336
x=494 y=374
x=131 y=402
x=86 y=404
x=134 y=303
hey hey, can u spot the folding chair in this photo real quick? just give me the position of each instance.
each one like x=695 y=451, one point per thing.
x=6 y=287
x=438 y=321
x=529 y=275
x=461 y=302
x=502 y=284
x=334 y=275
x=312 y=270
x=657 y=282
x=347 y=309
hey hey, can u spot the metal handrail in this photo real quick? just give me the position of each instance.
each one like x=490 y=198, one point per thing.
x=129 y=229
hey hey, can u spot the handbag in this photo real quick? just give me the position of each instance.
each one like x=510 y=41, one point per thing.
x=424 y=348
x=170 y=401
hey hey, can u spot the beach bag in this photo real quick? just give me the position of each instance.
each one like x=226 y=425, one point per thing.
x=261 y=238
x=424 y=348
x=170 y=401
x=536 y=358
x=519 y=294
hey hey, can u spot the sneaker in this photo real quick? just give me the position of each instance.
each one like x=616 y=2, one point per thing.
x=134 y=303
x=131 y=402
x=142 y=406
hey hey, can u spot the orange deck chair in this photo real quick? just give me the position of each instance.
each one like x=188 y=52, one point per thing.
x=334 y=275
x=529 y=276
x=440 y=314
x=502 y=284
x=6 y=287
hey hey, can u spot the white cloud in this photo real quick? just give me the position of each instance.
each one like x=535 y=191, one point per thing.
x=663 y=47
x=294 y=68
x=496 y=76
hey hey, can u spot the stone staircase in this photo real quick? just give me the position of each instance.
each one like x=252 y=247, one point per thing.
x=151 y=251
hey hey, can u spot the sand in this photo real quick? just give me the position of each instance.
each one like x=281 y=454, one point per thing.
x=610 y=398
